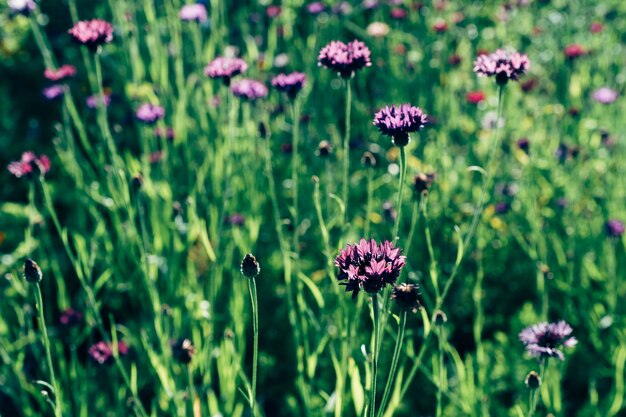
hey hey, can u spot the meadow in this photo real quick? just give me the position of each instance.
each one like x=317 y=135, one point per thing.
x=341 y=208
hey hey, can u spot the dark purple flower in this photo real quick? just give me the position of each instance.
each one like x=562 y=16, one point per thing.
x=290 y=83
x=94 y=100
x=24 y=7
x=502 y=208
x=249 y=89
x=544 y=339
x=193 y=12
x=92 y=33
x=150 y=113
x=343 y=58
x=315 y=8
x=225 y=68
x=28 y=164
x=406 y=296
x=605 y=95
x=70 y=317
x=250 y=266
x=102 y=352
x=503 y=65
x=524 y=145
x=398 y=121
x=614 y=228
x=54 y=91
x=61 y=74
x=369 y=266
x=236 y=219
x=32 y=272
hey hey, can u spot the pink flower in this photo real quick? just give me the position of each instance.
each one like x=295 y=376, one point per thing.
x=29 y=164
x=225 y=68
x=475 y=97
x=102 y=352
x=502 y=65
x=150 y=113
x=345 y=59
x=92 y=33
x=249 y=89
x=63 y=73
x=574 y=51
x=193 y=12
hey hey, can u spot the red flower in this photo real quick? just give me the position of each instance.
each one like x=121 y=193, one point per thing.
x=475 y=97
x=440 y=26
x=574 y=51
x=596 y=27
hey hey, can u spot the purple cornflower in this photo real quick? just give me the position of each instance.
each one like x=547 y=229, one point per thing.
x=605 y=95
x=614 y=228
x=290 y=83
x=93 y=101
x=53 y=92
x=28 y=164
x=503 y=65
x=61 y=74
x=70 y=317
x=150 y=113
x=102 y=352
x=92 y=33
x=315 y=8
x=369 y=266
x=24 y=7
x=398 y=121
x=225 y=68
x=193 y=12
x=544 y=339
x=345 y=59
x=249 y=89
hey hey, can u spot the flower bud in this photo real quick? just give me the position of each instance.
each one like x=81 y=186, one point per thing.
x=32 y=272
x=368 y=160
x=183 y=350
x=249 y=266
x=440 y=318
x=406 y=296
x=533 y=380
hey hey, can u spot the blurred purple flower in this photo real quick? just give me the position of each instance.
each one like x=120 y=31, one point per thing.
x=193 y=12
x=102 y=352
x=236 y=219
x=524 y=145
x=94 y=100
x=70 y=317
x=62 y=73
x=345 y=59
x=315 y=8
x=502 y=208
x=24 y=7
x=249 y=89
x=165 y=133
x=53 y=92
x=273 y=11
x=544 y=339
x=614 y=228
x=369 y=266
x=92 y=33
x=225 y=68
x=290 y=83
x=28 y=164
x=605 y=95
x=342 y=8
x=150 y=113
x=389 y=212
x=503 y=65
x=398 y=122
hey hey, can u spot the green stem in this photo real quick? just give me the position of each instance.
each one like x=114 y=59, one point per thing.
x=294 y=175
x=102 y=112
x=376 y=330
x=58 y=401
x=394 y=362
x=192 y=390
x=414 y=217
x=255 y=351
x=368 y=206
x=346 y=156
x=441 y=372
x=534 y=394
x=396 y=224
x=434 y=276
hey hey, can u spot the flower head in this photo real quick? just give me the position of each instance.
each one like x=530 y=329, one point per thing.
x=315 y=8
x=545 y=339
x=183 y=350
x=574 y=50
x=61 y=74
x=53 y=92
x=225 y=68
x=475 y=97
x=249 y=89
x=94 y=100
x=406 y=296
x=345 y=59
x=193 y=12
x=369 y=266
x=422 y=183
x=377 y=29
x=29 y=164
x=92 y=33
x=250 y=266
x=605 y=95
x=614 y=228
x=102 y=352
x=24 y=7
x=503 y=65
x=150 y=113
x=398 y=121
x=70 y=317
x=32 y=272
x=290 y=83
x=533 y=380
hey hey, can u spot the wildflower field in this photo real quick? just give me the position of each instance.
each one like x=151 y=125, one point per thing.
x=342 y=208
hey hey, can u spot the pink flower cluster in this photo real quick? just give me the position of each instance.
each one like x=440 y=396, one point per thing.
x=345 y=59
x=92 y=33
x=249 y=89
x=503 y=65
x=29 y=164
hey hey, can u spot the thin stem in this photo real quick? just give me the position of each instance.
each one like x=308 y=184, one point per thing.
x=294 y=174
x=414 y=218
x=46 y=343
x=396 y=224
x=394 y=362
x=192 y=390
x=434 y=276
x=441 y=372
x=368 y=206
x=102 y=111
x=376 y=330
x=346 y=156
x=255 y=350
